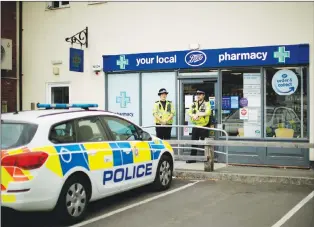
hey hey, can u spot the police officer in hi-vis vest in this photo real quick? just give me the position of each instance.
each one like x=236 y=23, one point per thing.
x=199 y=113
x=163 y=113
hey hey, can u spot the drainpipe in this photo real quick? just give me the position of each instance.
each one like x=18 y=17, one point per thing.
x=20 y=55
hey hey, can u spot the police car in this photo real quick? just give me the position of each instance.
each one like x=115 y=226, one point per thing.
x=60 y=159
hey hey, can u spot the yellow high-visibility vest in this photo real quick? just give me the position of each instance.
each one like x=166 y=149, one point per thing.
x=163 y=113
x=203 y=108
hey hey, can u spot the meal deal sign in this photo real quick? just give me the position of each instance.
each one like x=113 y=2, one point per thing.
x=285 y=82
x=210 y=58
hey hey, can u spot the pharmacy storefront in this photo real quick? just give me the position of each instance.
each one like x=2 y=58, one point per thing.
x=257 y=93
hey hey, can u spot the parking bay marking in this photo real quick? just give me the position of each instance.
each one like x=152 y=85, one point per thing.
x=133 y=205
x=294 y=210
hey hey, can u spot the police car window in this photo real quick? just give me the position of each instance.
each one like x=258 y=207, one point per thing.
x=63 y=133
x=122 y=130
x=90 y=130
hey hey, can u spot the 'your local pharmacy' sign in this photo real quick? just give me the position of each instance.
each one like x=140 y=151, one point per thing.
x=229 y=57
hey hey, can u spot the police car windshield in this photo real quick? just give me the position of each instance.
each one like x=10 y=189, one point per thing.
x=16 y=134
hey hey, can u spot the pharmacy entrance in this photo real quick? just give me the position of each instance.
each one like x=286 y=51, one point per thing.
x=188 y=85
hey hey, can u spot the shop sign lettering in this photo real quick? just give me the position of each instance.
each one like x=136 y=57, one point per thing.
x=242 y=56
x=156 y=60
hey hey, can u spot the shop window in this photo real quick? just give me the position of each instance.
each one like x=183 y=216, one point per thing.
x=123 y=95
x=242 y=102
x=286 y=106
x=156 y=81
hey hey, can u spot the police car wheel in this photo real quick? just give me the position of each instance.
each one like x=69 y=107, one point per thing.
x=163 y=174
x=73 y=201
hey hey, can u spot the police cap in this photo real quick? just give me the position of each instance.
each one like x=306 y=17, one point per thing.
x=200 y=92
x=162 y=91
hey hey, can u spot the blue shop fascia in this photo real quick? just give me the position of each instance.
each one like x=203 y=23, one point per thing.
x=279 y=55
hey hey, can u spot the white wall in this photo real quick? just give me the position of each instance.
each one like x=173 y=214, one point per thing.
x=123 y=27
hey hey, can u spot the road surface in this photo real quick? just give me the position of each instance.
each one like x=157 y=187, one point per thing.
x=193 y=204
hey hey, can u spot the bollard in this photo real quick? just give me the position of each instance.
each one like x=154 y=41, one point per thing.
x=209 y=153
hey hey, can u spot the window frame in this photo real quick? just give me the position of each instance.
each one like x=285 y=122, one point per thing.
x=137 y=128
x=51 y=85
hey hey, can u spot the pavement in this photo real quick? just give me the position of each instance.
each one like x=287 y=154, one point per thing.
x=245 y=174
x=193 y=203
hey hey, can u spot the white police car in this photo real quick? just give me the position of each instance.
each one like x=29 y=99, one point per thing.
x=60 y=159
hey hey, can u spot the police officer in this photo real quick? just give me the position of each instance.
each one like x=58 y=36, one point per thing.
x=163 y=113
x=199 y=113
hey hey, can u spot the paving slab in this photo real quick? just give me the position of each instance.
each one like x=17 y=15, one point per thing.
x=245 y=174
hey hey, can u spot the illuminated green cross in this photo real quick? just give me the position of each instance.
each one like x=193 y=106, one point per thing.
x=122 y=62
x=282 y=54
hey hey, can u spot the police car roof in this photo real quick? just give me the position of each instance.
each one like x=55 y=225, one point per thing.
x=54 y=115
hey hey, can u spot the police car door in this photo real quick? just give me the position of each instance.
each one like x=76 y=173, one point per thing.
x=137 y=164
x=93 y=137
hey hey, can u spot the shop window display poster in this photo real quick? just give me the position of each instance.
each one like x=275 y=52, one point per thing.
x=252 y=92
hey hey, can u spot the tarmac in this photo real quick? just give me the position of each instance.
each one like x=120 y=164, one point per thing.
x=192 y=203
x=236 y=196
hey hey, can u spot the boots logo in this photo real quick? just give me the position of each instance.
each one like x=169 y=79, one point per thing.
x=195 y=58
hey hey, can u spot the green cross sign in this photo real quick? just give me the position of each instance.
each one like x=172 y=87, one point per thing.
x=122 y=62
x=123 y=100
x=282 y=54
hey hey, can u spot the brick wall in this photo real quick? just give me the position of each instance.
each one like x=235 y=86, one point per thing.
x=8 y=31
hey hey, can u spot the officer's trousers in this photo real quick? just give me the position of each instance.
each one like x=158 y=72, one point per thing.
x=163 y=133
x=197 y=134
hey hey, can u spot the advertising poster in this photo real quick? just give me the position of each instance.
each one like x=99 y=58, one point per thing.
x=285 y=82
x=252 y=105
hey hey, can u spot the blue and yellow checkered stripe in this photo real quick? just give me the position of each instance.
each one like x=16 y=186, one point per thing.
x=99 y=156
